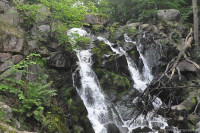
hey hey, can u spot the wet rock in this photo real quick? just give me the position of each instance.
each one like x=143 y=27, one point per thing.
x=16 y=58
x=117 y=65
x=4 y=57
x=127 y=111
x=128 y=46
x=112 y=128
x=142 y=130
x=95 y=20
x=170 y=14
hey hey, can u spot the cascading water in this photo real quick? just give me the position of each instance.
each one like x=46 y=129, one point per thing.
x=140 y=83
x=99 y=112
x=90 y=91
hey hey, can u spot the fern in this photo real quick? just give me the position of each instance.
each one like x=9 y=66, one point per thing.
x=33 y=96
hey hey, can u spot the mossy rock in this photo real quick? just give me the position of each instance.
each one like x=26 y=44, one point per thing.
x=110 y=80
x=98 y=29
x=2 y=129
x=56 y=121
x=116 y=33
x=100 y=50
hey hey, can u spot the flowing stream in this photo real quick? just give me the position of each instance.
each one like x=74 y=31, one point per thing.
x=99 y=112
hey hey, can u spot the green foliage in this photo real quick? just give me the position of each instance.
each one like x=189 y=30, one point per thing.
x=28 y=11
x=113 y=80
x=33 y=96
x=176 y=37
x=141 y=10
x=2 y=115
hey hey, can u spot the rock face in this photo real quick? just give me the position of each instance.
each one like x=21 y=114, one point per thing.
x=58 y=59
x=4 y=6
x=112 y=128
x=95 y=20
x=13 y=44
x=4 y=57
x=170 y=14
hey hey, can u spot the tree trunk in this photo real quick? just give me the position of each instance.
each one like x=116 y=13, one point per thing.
x=196 y=24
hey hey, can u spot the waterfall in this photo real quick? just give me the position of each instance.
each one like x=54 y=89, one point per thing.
x=140 y=83
x=99 y=112
x=90 y=92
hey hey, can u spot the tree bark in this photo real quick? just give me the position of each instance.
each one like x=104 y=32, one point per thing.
x=196 y=24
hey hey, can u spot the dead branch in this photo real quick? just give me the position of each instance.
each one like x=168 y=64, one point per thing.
x=172 y=66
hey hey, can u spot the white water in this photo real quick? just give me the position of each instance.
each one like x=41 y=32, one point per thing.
x=90 y=91
x=140 y=84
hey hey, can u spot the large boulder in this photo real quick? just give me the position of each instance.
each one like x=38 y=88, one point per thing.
x=95 y=19
x=170 y=14
x=186 y=66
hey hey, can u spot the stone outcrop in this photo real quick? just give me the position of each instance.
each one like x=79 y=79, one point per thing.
x=95 y=19
x=170 y=14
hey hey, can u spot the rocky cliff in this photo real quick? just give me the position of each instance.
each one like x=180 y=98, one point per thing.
x=66 y=112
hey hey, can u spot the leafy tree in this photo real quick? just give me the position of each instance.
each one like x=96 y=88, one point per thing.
x=139 y=10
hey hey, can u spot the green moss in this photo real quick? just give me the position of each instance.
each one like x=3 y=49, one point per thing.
x=110 y=80
x=56 y=121
x=2 y=128
x=176 y=37
x=133 y=54
x=132 y=31
x=162 y=42
x=98 y=29
x=12 y=132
